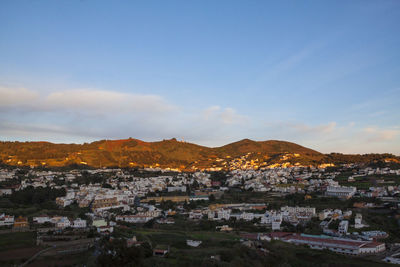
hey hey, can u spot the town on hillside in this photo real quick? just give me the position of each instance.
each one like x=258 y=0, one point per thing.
x=109 y=216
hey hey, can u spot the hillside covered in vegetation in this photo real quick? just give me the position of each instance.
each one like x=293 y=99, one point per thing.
x=171 y=154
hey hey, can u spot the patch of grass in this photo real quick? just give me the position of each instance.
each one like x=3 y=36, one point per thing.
x=364 y=182
x=17 y=240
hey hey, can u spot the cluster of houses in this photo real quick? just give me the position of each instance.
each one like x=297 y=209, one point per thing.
x=250 y=161
x=98 y=198
x=290 y=180
x=57 y=221
x=374 y=171
x=285 y=180
x=272 y=218
x=18 y=223
x=141 y=217
x=130 y=199
x=7 y=174
x=60 y=221
x=328 y=216
x=272 y=179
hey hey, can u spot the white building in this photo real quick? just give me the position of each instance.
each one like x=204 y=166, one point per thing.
x=266 y=219
x=70 y=194
x=193 y=243
x=41 y=219
x=79 y=223
x=195 y=215
x=105 y=229
x=339 y=245
x=176 y=188
x=340 y=191
x=295 y=210
x=343 y=227
x=6 y=220
x=395 y=258
x=276 y=222
x=358 y=221
x=272 y=218
x=224 y=214
x=64 y=222
x=63 y=202
x=247 y=216
x=134 y=218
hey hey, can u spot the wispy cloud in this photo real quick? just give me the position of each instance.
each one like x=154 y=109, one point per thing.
x=223 y=115
x=290 y=62
x=101 y=101
x=78 y=115
x=334 y=137
x=94 y=114
x=17 y=97
x=83 y=100
x=319 y=129
x=375 y=134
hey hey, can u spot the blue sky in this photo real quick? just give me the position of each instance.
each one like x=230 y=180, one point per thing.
x=322 y=74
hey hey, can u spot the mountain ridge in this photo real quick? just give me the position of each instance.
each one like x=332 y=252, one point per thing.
x=167 y=153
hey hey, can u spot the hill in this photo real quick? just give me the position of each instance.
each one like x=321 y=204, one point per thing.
x=166 y=154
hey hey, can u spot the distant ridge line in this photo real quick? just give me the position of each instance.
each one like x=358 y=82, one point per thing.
x=171 y=153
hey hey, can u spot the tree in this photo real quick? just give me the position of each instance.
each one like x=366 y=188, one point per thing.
x=195 y=185
x=192 y=204
x=39 y=195
x=106 y=185
x=334 y=225
x=116 y=253
x=166 y=205
x=149 y=224
x=211 y=198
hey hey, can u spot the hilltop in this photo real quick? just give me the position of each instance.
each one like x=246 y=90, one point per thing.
x=166 y=154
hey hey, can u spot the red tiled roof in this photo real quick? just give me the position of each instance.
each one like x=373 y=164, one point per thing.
x=279 y=234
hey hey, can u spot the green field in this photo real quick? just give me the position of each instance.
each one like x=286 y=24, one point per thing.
x=17 y=240
x=16 y=248
x=31 y=210
x=365 y=182
x=225 y=246
x=230 y=252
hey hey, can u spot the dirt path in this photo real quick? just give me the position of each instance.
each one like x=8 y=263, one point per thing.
x=36 y=255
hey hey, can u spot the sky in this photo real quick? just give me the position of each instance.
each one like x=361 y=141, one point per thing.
x=323 y=74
